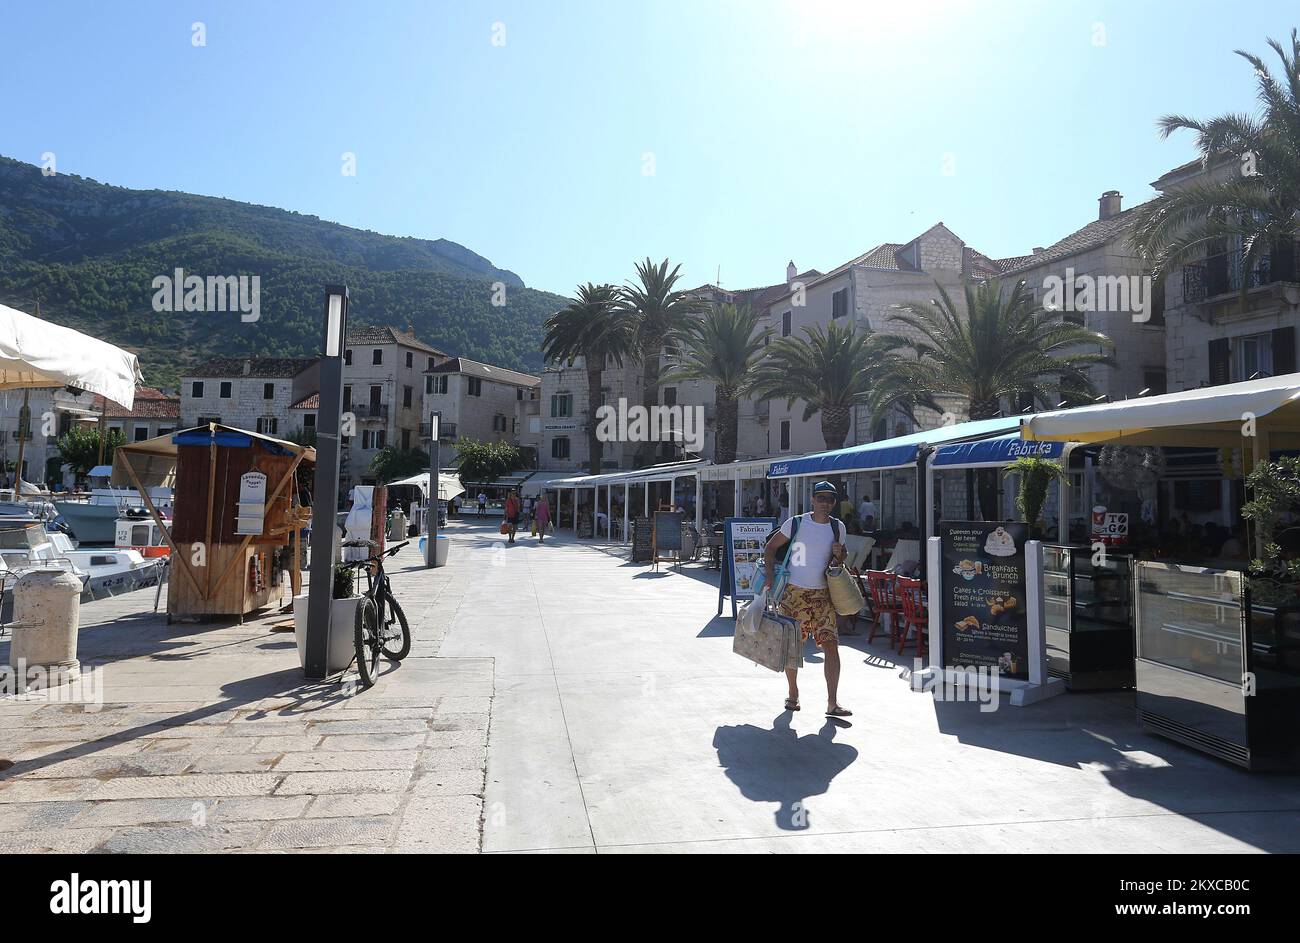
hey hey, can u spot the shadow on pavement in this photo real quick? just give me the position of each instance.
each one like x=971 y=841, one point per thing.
x=780 y=766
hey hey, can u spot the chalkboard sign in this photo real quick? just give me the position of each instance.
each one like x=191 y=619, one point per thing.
x=982 y=584
x=584 y=526
x=642 y=549
x=668 y=530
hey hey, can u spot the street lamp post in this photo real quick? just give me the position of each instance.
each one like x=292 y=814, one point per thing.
x=326 y=488
x=431 y=542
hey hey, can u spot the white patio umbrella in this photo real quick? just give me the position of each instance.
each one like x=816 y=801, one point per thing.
x=36 y=354
x=449 y=486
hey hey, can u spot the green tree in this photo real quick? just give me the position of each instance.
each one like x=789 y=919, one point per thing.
x=1257 y=206
x=1036 y=474
x=660 y=313
x=595 y=329
x=392 y=464
x=1005 y=348
x=485 y=462
x=831 y=371
x=79 y=447
x=722 y=348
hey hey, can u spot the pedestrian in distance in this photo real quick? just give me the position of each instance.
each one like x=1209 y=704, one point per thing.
x=512 y=510
x=482 y=504
x=542 y=514
x=816 y=540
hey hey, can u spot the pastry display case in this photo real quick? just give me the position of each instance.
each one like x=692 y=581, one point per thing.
x=1088 y=611
x=1214 y=670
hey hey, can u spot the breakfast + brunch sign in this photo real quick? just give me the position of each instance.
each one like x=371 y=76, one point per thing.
x=983 y=589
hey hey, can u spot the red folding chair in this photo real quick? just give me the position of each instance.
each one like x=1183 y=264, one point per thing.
x=911 y=595
x=884 y=602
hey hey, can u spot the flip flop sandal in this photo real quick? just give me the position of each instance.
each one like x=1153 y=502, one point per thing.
x=791 y=704
x=839 y=712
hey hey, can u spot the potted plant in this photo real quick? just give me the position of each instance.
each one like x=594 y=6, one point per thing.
x=343 y=614
x=1036 y=474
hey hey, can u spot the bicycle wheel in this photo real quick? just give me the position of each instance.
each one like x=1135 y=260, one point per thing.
x=367 y=641
x=397 y=637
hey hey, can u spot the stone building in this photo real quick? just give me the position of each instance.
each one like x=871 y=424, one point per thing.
x=383 y=384
x=154 y=413
x=49 y=414
x=252 y=393
x=1214 y=334
x=478 y=401
x=1103 y=282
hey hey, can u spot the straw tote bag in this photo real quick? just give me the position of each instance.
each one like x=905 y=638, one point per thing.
x=846 y=594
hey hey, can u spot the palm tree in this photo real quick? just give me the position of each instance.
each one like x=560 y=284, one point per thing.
x=594 y=328
x=660 y=313
x=1004 y=349
x=1259 y=207
x=721 y=348
x=831 y=371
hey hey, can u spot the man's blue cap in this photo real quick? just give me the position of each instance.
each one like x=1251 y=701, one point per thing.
x=824 y=486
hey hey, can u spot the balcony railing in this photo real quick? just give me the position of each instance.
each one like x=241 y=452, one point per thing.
x=368 y=411
x=1223 y=273
x=446 y=430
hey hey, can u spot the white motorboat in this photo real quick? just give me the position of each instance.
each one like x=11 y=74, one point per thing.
x=110 y=571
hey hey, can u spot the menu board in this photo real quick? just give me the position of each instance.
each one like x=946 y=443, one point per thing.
x=985 y=623
x=252 y=503
x=642 y=551
x=744 y=539
x=668 y=530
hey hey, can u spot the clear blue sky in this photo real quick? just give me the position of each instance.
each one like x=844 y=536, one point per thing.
x=779 y=130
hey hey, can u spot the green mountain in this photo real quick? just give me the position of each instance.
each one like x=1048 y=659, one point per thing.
x=89 y=253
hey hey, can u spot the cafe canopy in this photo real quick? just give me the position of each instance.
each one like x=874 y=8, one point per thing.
x=1212 y=416
x=899 y=452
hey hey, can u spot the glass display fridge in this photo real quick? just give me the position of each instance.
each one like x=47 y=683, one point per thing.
x=1215 y=671
x=1088 y=611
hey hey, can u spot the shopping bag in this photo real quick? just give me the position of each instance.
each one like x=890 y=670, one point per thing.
x=846 y=594
x=505 y=528
x=533 y=531
x=767 y=638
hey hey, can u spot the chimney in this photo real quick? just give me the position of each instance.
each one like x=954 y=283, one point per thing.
x=1109 y=204
x=1039 y=250
x=248 y=367
x=791 y=273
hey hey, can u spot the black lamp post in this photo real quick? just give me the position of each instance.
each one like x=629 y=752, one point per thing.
x=324 y=520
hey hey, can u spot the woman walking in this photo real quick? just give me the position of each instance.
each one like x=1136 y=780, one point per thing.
x=542 y=514
x=512 y=509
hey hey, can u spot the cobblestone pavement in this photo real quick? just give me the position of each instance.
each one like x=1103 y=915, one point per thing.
x=208 y=739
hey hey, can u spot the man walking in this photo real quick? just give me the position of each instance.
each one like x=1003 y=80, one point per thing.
x=816 y=545
x=482 y=503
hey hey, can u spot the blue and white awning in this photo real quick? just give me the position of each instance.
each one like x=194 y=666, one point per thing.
x=899 y=452
x=1000 y=451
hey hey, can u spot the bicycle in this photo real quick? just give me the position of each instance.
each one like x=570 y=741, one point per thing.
x=380 y=626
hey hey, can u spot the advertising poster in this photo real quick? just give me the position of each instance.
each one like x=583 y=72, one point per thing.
x=985 y=623
x=743 y=560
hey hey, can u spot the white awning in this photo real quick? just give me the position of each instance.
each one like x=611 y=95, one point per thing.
x=35 y=353
x=1212 y=416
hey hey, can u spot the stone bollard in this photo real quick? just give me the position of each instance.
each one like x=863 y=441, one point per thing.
x=47 y=615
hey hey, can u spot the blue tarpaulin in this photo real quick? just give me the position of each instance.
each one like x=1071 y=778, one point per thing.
x=1000 y=451
x=889 y=453
x=229 y=438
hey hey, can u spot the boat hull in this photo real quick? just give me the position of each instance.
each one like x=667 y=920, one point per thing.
x=90 y=523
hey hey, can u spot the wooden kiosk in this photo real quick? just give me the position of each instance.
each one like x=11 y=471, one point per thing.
x=237 y=518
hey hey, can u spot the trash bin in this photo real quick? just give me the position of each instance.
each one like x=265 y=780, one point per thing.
x=397 y=526
x=440 y=549
x=47 y=616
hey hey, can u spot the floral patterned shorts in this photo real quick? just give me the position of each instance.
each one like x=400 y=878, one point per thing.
x=812 y=609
